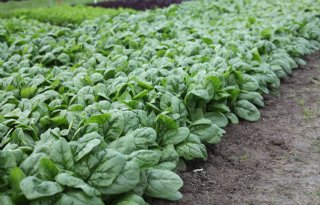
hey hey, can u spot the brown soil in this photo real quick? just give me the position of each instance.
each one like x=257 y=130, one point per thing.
x=135 y=4
x=273 y=161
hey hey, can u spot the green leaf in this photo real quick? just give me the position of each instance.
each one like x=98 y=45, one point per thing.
x=178 y=107
x=5 y=200
x=47 y=169
x=245 y=110
x=126 y=180
x=144 y=137
x=61 y=154
x=169 y=158
x=63 y=58
x=233 y=118
x=145 y=158
x=15 y=176
x=217 y=118
x=100 y=119
x=192 y=148
x=166 y=122
x=125 y=144
x=49 y=200
x=165 y=101
x=116 y=127
x=175 y=84
x=30 y=165
x=86 y=144
x=130 y=199
x=285 y=65
x=162 y=183
x=253 y=97
x=79 y=198
x=28 y=92
x=256 y=55
x=48 y=58
x=194 y=97
x=206 y=131
x=7 y=160
x=34 y=188
x=108 y=168
x=68 y=180
x=175 y=136
x=141 y=186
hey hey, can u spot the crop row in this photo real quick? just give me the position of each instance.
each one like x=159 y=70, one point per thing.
x=64 y=15
x=106 y=112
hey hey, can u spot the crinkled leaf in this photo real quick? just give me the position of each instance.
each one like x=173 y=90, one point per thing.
x=125 y=144
x=34 y=188
x=126 y=180
x=47 y=169
x=61 y=154
x=86 y=144
x=30 y=165
x=162 y=183
x=116 y=127
x=130 y=199
x=206 y=131
x=109 y=167
x=15 y=177
x=144 y=137
x=192 y=148
x=245 y=110
x=68 y=180
x=28 y=92
x=217 y=118
x=175 y=136
x=145 y=158
x=78 y=198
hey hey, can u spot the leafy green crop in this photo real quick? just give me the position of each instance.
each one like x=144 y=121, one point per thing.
x=12 y=5
x=103 y=113
x=64 y=15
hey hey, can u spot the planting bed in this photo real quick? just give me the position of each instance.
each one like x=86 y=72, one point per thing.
x=58 y=16
x=274 y=161
x=108 y=111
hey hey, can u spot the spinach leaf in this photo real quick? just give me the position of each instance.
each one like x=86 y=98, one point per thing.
x=107 y=169
x=34 y=188
x=244 y=109
x=61 y=154
x=68 y=180
x=74 y=197
x=162 y=183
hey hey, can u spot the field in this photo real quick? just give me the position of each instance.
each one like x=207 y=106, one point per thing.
x=11 y=6
x=273 y=161
x=109 y=106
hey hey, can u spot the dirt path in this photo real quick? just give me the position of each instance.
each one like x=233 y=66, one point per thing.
x=274 y=161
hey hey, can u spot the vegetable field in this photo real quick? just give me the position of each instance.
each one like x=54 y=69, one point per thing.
x=12 y=5
x=108 y=110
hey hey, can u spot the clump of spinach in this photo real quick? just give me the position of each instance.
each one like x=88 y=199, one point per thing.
x=104 y=113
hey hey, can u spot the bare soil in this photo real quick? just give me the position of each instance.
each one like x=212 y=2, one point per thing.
x=135 y=4
x=273 y=161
